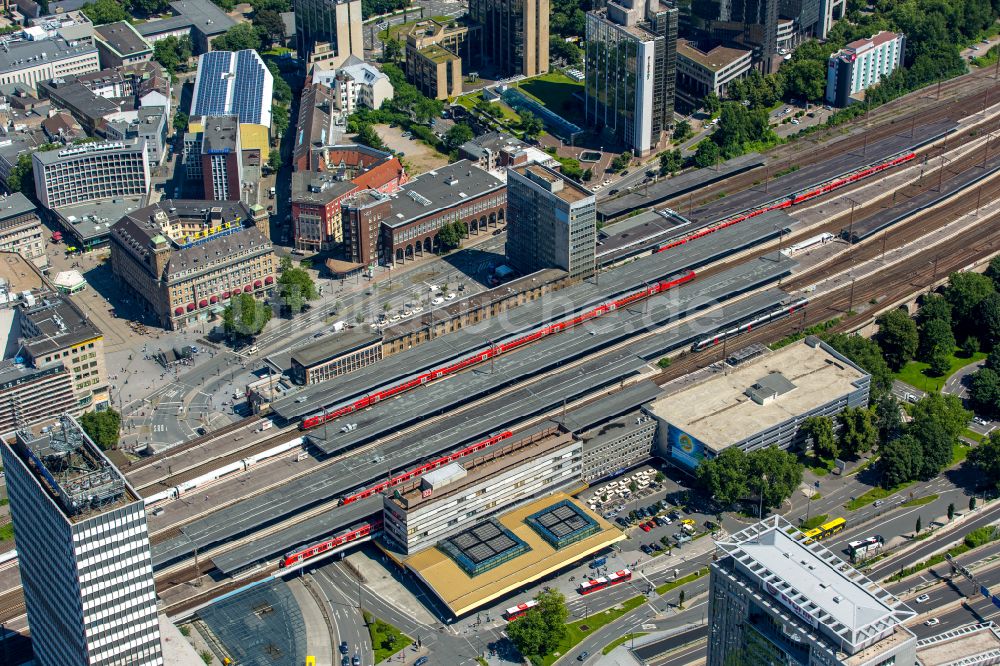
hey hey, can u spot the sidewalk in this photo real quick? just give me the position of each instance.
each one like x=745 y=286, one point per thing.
x=319 y=643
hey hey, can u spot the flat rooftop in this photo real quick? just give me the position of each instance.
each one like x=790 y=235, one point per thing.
x=975 y=644
x=80 y=479
x=719 y=412
x=94 y=219
x=462 y=593
x=19 y=273
x=123 y=38
x=821 y=585
x=334 y=345
x=60 y=324
x=562 y=186
x=713 y=60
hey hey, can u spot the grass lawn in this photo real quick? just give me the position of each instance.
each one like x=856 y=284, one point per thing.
x=959 y=452
x=684 y=580
x=874 y=494
x=575 y=633
x=555 y=90
x=813 y=522
x=386 y=639
x=863 y=466
x=7 y=532
x=915 y=373
x=920 y=501
x=968 y=433
x=469 y=101
x=818 y=465
x=621 y=641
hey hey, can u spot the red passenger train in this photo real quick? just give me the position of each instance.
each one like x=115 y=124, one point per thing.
x=486 y=354
x=598 y=584
x=423 y=469
x=794 y=199
x=352 y=534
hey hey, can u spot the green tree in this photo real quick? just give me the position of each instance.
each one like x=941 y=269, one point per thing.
x=725 y=477
x=245 y=317
x=295 y=286
x=274 y=159
x=451 y=234
x=934 y=306
x=920 y=524
x=240 y=37
x=149 y=7
x=531 y=125
x=102 y=427
x=225 y=5
x=568 y=51
x=21 y=177
x=181 y=122
x=458 y=134
x=680 y=600
x=988 y=319
x=712 y=103
x=936 y=339
x=993 y=272
x=805 y=79
x=282 y=91
x=938 y=420
x=279 y=120
x=542 y=628
x=972 y=503
x=369 y=137
x=671 y=161
x=898 y=338
x=621 y=162
x=707 y=154
x=101 y=12
x=172 y=53
x=951 y=511
x=945 y=409
x=888 y=419
x=899 y=461
x=682 y=131
x=392 y=51
x=984 y=391
x=273 y=5
x=773 y=475
x=867 y=354
x=270 y=27
x=965 y=291
x=858 y=432
x=819 y=429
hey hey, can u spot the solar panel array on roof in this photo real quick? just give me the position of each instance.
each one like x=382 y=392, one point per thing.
x=482 y=547
x=233 y=84
x=562 y=524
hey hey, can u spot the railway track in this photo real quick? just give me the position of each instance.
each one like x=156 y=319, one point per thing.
x=191 y=444
x=883 y=122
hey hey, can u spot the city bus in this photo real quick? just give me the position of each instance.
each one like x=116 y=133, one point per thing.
x=826 y=529
x=519 y=610
x=597 y=584
x=865 y=548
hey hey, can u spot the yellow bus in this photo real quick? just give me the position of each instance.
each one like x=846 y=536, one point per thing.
x=826 y=529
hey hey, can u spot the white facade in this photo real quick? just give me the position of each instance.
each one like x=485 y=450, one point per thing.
x=454 y=507
x=91 y=172
x=355 y=85
x=87 y=574
x=31 y=62
x=861 y=64
x=830 y=11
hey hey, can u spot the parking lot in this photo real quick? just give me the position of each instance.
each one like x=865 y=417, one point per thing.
x=651 y=508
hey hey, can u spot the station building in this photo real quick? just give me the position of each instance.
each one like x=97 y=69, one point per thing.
x=477 y=530
x=971 y=645
x=759 y=403
x=345 y=351
x=774 y=598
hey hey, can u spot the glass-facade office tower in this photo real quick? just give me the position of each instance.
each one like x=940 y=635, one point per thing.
x=631 y=72
x=83 y=551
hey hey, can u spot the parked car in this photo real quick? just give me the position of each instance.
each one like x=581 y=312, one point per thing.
x=644 y=548
x=932 y=622
x=645 y=527
x=682 y=539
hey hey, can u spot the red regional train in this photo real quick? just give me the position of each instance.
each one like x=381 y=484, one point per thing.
x=486 y=354
x=423 y=469
x=347 y=536
x=793 y=200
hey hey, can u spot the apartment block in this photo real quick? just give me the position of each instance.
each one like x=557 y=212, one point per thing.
x=91 y=172
x=861 y=64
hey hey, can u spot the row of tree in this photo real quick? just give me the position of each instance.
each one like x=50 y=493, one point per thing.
x=245 y=317
x=857 y=433
x=764 y=478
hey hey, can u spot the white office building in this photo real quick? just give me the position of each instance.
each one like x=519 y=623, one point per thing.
x=355 y=84
x=83 y=551
x=775 y=598
x=91 y=172
x=862 y=64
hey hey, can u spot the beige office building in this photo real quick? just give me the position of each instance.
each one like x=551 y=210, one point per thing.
x=328 y=31
x=515 y=34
